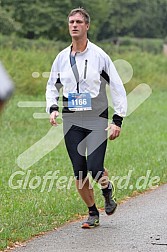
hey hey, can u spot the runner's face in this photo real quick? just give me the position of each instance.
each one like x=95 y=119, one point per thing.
x=77 y=26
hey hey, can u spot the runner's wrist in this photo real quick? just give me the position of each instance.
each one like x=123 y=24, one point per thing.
x=117 y=120
x=54 y=108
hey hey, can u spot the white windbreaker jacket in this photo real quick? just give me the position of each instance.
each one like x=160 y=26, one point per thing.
x=95 y=70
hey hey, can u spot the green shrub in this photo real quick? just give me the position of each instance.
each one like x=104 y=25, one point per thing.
x=15 y=42
x=7 y=24
x=123 y=44
x=146 y=45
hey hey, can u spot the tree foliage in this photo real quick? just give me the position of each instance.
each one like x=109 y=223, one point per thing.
x=109 y=18
x=7 y=23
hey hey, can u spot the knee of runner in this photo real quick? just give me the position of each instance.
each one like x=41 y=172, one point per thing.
x=96 y=174
x=80 y=175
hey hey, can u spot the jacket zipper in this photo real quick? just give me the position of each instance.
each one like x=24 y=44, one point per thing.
x=85 y=70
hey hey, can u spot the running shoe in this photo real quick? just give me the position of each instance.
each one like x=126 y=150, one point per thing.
x=110 y=201
x=91 y=222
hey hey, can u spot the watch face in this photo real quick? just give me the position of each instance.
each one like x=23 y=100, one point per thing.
x=6 y=84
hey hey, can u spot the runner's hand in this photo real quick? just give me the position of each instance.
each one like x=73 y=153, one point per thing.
x=53 y=117
x=114 y=131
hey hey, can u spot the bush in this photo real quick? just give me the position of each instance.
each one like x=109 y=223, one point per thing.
x=14 y=42
x=7 y=24
x=146 y=45
x=123 y=44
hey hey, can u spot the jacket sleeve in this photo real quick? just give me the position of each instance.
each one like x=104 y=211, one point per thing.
x=52 y=92
x=6 y=84
x=118 y=93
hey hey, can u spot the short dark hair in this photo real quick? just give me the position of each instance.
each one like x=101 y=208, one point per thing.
x=83 y=12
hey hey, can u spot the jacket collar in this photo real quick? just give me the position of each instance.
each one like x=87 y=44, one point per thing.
x=87 y=47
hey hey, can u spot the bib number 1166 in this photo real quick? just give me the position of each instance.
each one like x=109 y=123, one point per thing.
x=79 y=101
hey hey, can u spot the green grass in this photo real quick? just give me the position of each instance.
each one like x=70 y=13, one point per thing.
x=141 y=147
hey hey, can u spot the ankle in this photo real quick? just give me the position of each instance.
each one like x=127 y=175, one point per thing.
x=93 y=210
x=107 y=189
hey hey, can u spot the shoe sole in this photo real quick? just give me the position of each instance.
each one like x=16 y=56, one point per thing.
x=87 y=226
x=112 y=211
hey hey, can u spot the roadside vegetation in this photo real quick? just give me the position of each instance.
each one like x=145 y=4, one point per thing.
x=26 y=208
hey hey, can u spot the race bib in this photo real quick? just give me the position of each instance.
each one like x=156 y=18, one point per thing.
x=79 y=101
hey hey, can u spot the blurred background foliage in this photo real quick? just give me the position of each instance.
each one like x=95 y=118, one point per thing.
x=32 y=33
x=34 y=19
